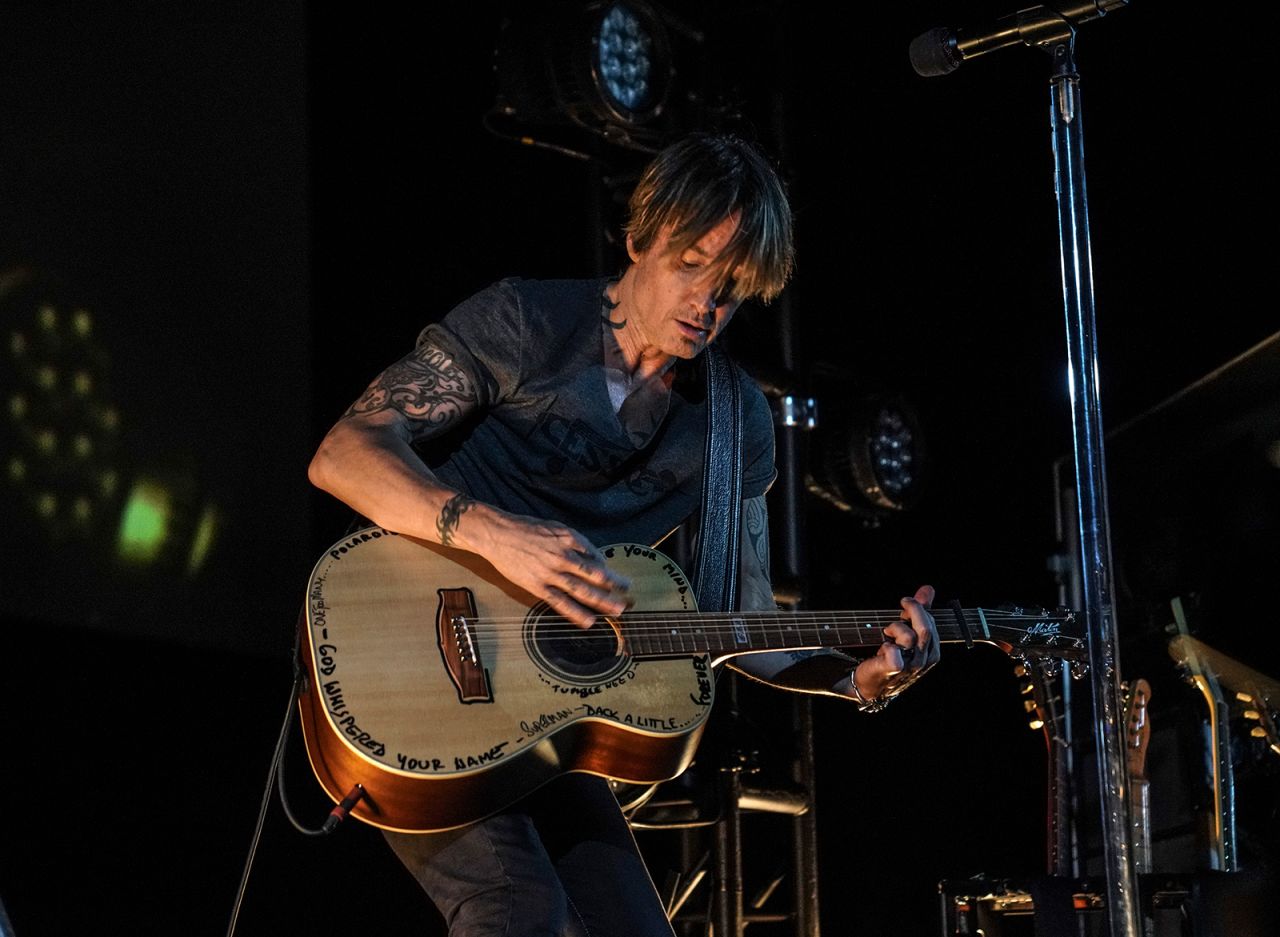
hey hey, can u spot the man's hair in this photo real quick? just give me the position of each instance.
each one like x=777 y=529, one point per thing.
x=698 y=182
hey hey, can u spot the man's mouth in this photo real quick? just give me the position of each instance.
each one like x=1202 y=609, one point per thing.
x=691 y=331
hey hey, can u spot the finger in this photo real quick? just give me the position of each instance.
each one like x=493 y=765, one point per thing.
x=902 y=634
x=888 y=661
x=921 y=622
x=925 y=595
x=601 y=600
x=562 y=604
x=592 y=565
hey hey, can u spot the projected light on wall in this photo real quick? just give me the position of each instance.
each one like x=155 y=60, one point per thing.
x=65 y=478
x=164 y=524
x=60 y=451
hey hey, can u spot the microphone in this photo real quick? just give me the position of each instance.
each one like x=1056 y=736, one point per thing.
x=941 y=51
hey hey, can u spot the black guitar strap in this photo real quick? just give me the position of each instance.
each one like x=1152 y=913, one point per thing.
x=720 y=523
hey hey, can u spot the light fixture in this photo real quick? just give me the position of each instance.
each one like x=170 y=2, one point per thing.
x=602 y=67
x=868 y=458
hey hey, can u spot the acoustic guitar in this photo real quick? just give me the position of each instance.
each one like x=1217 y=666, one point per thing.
x=441 y=693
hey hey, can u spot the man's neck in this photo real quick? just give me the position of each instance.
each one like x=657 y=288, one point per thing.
x=644 y=361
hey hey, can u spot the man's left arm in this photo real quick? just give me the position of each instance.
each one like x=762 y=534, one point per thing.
x=910 y=646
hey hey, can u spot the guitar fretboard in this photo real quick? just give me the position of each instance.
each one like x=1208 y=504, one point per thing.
x=665 y=635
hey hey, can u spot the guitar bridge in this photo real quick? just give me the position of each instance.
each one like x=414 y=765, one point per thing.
x=457 y=641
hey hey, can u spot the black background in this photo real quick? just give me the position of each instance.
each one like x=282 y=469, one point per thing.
x=263 y=204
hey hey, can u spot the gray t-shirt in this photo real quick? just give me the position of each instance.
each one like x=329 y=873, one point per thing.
x=546 y=441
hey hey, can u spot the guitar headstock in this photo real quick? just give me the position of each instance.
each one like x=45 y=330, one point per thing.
x=1137 y=728
x=1030 y=634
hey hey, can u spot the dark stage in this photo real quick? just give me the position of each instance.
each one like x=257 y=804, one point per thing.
x=219 y=221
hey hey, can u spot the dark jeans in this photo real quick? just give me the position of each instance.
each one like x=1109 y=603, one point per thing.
x=561 y=863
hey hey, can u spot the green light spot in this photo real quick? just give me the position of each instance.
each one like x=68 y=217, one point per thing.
x=17 y=344
x=144 y=525
x=82 y=383
x=47 y=441
x=82 y=323
x=82 y=510
x=17 y=469
x=18 y=406
x=206 y=530
x=47 y=377
x=82 y=445
x=47 y=316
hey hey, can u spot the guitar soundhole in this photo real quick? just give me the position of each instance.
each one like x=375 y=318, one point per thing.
x=581 y=656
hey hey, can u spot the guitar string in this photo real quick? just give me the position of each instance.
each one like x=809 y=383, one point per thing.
x=653 y=625
x=656 y=623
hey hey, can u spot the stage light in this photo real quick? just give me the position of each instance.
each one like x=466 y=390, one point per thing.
x=603 y=67
x=869 y=457
x=623 y=63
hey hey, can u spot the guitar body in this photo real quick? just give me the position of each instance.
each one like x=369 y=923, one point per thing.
x=448 y=693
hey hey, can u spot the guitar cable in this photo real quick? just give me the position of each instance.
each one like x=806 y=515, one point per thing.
x=275 y=773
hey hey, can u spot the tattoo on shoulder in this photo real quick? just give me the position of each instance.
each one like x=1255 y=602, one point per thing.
x=452 y=511
x=426 y=386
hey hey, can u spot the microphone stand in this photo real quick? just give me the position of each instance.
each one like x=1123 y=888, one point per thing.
x=1091 y=487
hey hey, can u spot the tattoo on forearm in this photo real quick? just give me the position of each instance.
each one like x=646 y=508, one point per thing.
x=452 y=511
x=757 y=527
x=426 y=386
x=757 y=592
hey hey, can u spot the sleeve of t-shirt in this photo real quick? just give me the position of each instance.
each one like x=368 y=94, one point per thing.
x=484 y=334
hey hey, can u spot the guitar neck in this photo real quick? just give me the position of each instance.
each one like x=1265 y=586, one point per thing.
x=654 y=635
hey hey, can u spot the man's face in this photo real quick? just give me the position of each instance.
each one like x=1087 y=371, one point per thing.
x=681 y=298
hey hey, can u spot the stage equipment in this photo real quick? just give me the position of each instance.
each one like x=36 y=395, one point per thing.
x=1053 y=31
x=868 y=456
x=940 y=51
x=603 y=67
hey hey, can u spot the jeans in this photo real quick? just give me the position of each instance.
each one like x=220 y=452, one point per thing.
x=561 y=863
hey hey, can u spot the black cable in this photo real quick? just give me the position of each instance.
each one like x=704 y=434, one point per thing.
x=275 y=772
x=266 y=799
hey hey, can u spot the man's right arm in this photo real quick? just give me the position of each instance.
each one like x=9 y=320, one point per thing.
x=367 y=460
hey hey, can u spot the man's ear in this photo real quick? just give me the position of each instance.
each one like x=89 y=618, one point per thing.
x=631 y=250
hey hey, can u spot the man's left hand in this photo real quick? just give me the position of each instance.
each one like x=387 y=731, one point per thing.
x=910 y=647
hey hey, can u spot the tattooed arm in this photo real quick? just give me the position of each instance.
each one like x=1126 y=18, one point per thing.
x=825 y=671
x=367 y=461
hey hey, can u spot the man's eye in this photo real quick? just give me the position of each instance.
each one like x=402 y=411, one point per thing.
x=725 y=295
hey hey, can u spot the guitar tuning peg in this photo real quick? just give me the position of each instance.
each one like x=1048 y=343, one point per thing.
x=1258 y=732
x=1253 y=715
x=1244 y=697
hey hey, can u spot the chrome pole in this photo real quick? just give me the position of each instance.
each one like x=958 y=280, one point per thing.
x=1091 y=488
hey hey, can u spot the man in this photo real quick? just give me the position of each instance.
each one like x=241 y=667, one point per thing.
x=540 y=420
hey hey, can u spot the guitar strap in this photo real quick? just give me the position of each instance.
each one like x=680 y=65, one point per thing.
x=720 y=522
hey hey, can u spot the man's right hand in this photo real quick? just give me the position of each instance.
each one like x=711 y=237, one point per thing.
x=554 y=563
